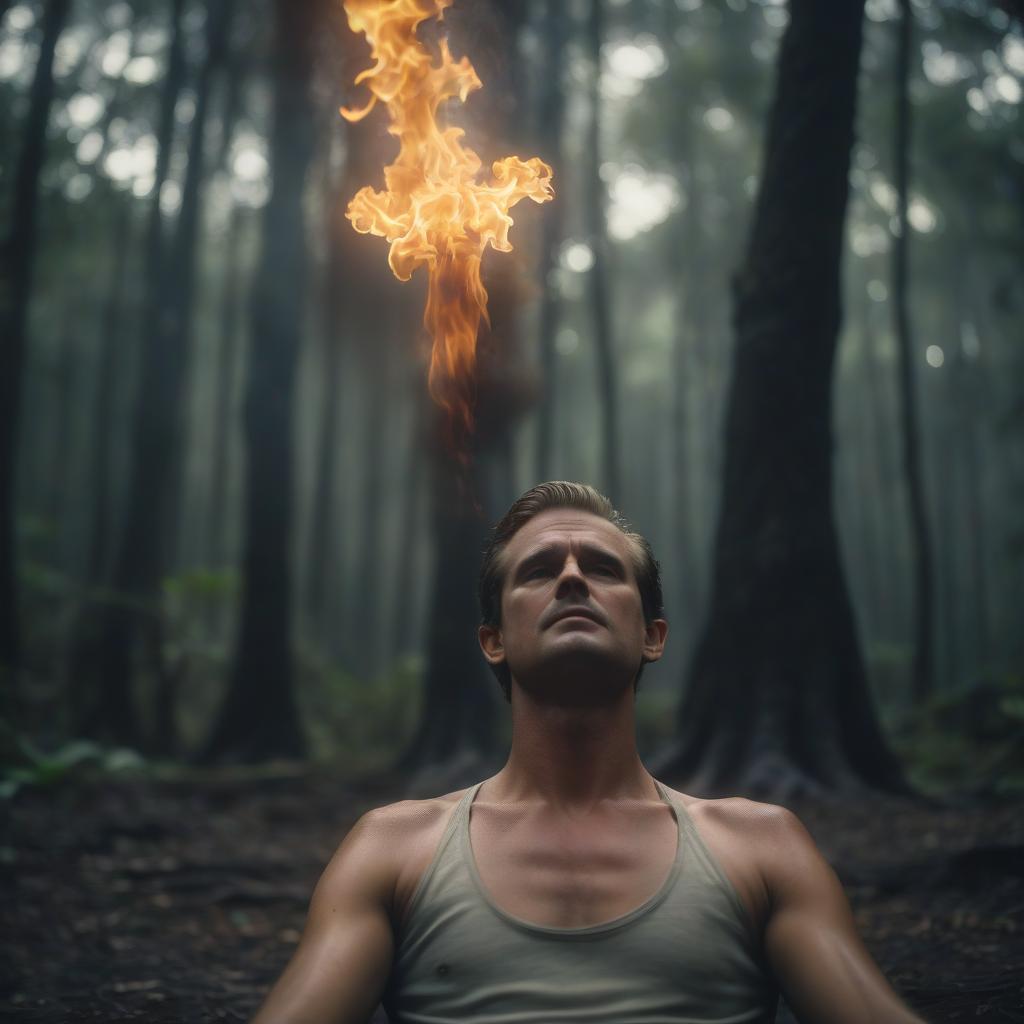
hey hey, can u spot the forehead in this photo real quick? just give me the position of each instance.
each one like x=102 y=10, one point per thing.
x=567 y=528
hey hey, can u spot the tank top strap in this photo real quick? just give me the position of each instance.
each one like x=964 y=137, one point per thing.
x=707 y=860
x=456 y=821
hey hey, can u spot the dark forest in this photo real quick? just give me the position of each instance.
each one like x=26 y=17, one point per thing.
x=773 y=312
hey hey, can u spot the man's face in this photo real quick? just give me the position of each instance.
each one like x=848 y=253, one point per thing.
x=571 y=613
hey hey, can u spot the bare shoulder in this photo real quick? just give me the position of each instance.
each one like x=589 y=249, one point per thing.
x=754 y=844
x=398 y=840
x=403 y=819
x=745 y=819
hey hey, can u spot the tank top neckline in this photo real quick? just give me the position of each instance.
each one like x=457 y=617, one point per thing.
x=583 y=931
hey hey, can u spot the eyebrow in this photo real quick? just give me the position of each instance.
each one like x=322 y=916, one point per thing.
x=550 y=551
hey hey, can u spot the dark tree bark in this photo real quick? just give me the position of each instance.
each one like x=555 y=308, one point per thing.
x=17 y=265
x=599 y=278
x=259 y=718
x=552 y=116
x=778 y=700
x=920 y=539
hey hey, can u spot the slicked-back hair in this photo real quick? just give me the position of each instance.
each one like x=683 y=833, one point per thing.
x=560 y=494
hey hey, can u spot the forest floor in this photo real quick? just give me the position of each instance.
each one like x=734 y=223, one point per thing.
x=181 y=900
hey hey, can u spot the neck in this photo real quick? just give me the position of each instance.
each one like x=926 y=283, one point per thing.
x=572 y=758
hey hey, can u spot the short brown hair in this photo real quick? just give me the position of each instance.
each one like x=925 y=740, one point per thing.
x=560 y=494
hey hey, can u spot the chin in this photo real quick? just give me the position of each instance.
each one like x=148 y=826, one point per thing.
x=578 y=677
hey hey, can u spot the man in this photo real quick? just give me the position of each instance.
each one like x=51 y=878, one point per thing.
x=572 y=886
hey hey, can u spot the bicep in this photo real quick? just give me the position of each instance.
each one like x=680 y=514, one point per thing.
x=342 y=962
x=811 y=941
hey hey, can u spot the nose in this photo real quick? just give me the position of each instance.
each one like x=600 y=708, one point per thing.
x=571 y=580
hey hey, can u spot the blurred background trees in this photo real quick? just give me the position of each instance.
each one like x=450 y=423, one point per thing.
x=230 y=526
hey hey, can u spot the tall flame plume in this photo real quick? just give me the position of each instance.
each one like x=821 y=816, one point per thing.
x=433 y=210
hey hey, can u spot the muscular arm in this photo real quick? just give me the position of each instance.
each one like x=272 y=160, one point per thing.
x=341 y=965
x=811 y=940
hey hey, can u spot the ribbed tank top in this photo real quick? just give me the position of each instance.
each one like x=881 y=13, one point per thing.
x=684 y=955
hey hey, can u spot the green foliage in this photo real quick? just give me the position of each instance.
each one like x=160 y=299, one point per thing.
x=23 y=764
x=356 y=724
x=972 y=736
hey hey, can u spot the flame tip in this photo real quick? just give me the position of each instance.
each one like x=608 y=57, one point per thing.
x=434 y=212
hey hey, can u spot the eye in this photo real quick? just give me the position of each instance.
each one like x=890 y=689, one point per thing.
x=605 y=570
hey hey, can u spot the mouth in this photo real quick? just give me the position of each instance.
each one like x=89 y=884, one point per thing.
x=576 y=613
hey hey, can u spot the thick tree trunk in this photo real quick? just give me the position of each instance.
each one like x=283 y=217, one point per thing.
x=921 y=682
x=17 y=264
x=778 y=700
x=260 y=718
x=599 y=278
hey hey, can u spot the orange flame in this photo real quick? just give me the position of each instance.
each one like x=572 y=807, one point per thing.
x=433 y=211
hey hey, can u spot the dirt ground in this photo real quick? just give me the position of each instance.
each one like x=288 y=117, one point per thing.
x=182 y=900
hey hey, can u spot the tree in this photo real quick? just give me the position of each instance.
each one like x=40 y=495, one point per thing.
x=777 y=698
x=457 y=732
x=599 y=278
x=922 y=681
x=259 y=717
x=227 y=343
x=112 y=634
x=552 y=117
x=17 y=263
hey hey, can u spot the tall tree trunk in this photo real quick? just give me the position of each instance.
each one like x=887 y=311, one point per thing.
x=461 y=698
x=599 y=277
x=368 y=560
x=225 y=374
x=180 y=293
x=323 y=547
x=405 y=570
x=778 y=700
x=552 y=117
x=108 y=634
x=17 y=266
x=99 y=473
x=225 y=366
x=459 y=706
x=921 y=682
x=259 y=718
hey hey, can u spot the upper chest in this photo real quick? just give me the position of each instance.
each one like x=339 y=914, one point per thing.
x=565 y=873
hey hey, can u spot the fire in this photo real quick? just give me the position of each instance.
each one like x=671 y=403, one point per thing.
x=433 y=210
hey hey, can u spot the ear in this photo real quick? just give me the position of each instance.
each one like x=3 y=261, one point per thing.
x=491 y=644
x=655 y=633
